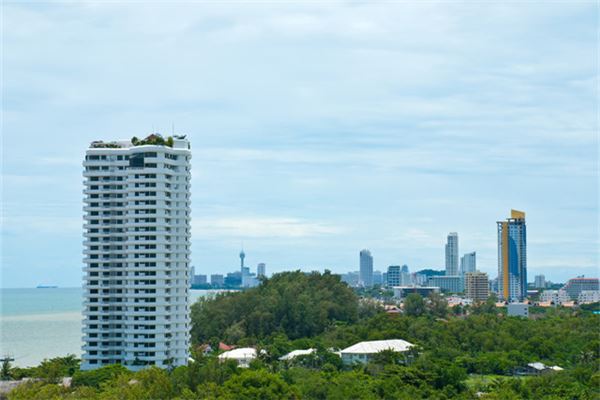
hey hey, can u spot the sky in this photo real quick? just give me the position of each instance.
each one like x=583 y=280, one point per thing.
x=317 y=128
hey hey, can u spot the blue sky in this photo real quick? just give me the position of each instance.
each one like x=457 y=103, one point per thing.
x=318 y=128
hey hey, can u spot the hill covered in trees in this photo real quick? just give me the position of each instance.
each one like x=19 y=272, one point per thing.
x=296 y=304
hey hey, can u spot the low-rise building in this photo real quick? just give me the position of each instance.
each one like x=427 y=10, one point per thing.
x=450 y=283
x=363 y=352
x=401 y=292
x=555 y=297
x=576 y=285
x=243 y=356
x=518 y=310
x=588 y=296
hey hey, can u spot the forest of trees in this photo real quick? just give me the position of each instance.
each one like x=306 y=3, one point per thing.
x=460 y=353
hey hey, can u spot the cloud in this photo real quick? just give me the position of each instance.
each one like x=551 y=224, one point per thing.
x=261 y=227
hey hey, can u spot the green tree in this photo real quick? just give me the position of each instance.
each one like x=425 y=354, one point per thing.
x=414 y=305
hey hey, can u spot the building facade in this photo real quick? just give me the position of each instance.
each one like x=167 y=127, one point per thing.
x=217 y=280
x=366 y=268
x=136 y=253
x=468 y=263
x=452 y=254
x=554 y=296
x=512 y=257
x=450 y=284
x=539 y=282
x=477 y=286
x=261 y=270
x=393 y=276
x=400 y=292
x=575 y=286
x=588 y=296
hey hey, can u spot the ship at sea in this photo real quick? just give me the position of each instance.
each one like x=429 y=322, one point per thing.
x=46 y=287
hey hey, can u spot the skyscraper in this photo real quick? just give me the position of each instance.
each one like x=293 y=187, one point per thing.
x=539 y=282
x=366 y=268
x=137 y=253
x=452 y=254
x=468 y=263
x=512 y=257
x=261 y=269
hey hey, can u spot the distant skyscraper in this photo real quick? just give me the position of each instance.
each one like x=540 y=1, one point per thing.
x=452 y=254
x=468 y=263
x=377 y=278
x=512 y=257
x=261 y=269
x=539 y=282
x=394 y=276
x=216 y=280
x=477 y=286
x=366 y=268
x=137 y=253
x=405 y=278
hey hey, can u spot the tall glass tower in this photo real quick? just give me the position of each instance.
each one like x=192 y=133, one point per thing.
x=366 y=268
x=136 y=253
x=512 y=257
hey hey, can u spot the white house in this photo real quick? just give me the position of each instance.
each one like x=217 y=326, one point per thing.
x=363 y=351
x=243 y=356
x=296 y=353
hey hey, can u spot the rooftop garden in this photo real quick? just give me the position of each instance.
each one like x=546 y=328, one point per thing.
x=154 y=139
x=102 y=145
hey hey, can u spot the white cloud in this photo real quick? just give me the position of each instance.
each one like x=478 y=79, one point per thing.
x=261 y=227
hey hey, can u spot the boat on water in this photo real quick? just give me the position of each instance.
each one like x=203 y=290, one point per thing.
x=46 y=287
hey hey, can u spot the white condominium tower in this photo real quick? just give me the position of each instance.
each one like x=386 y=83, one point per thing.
x=452 y=254
x=137 y=253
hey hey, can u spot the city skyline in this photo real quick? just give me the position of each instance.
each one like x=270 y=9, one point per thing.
x=317 y=130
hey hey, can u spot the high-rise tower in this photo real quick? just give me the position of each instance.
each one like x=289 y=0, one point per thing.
x=242 y=257
x=366 y=268
x=468 y=263
x=512 y=257
x=452 y=254
x=137 y=253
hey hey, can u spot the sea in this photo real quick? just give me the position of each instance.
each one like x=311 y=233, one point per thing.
x=37 y=324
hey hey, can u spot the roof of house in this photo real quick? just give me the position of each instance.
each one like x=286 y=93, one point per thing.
x=296 y=353
x=537 y=365
x=223 y=346
x=375 y=346
x=239 y=354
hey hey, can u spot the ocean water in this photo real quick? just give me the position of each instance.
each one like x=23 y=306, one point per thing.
x=43 y=323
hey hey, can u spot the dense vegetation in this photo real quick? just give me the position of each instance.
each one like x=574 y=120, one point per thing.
x=293 y=303
x=461 y=353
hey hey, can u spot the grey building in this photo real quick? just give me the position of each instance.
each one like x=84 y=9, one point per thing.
x=261 y=270
x=539 y=282
x=366 y=268
x=468 y=263
x=451 y=284
x=217 y=280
